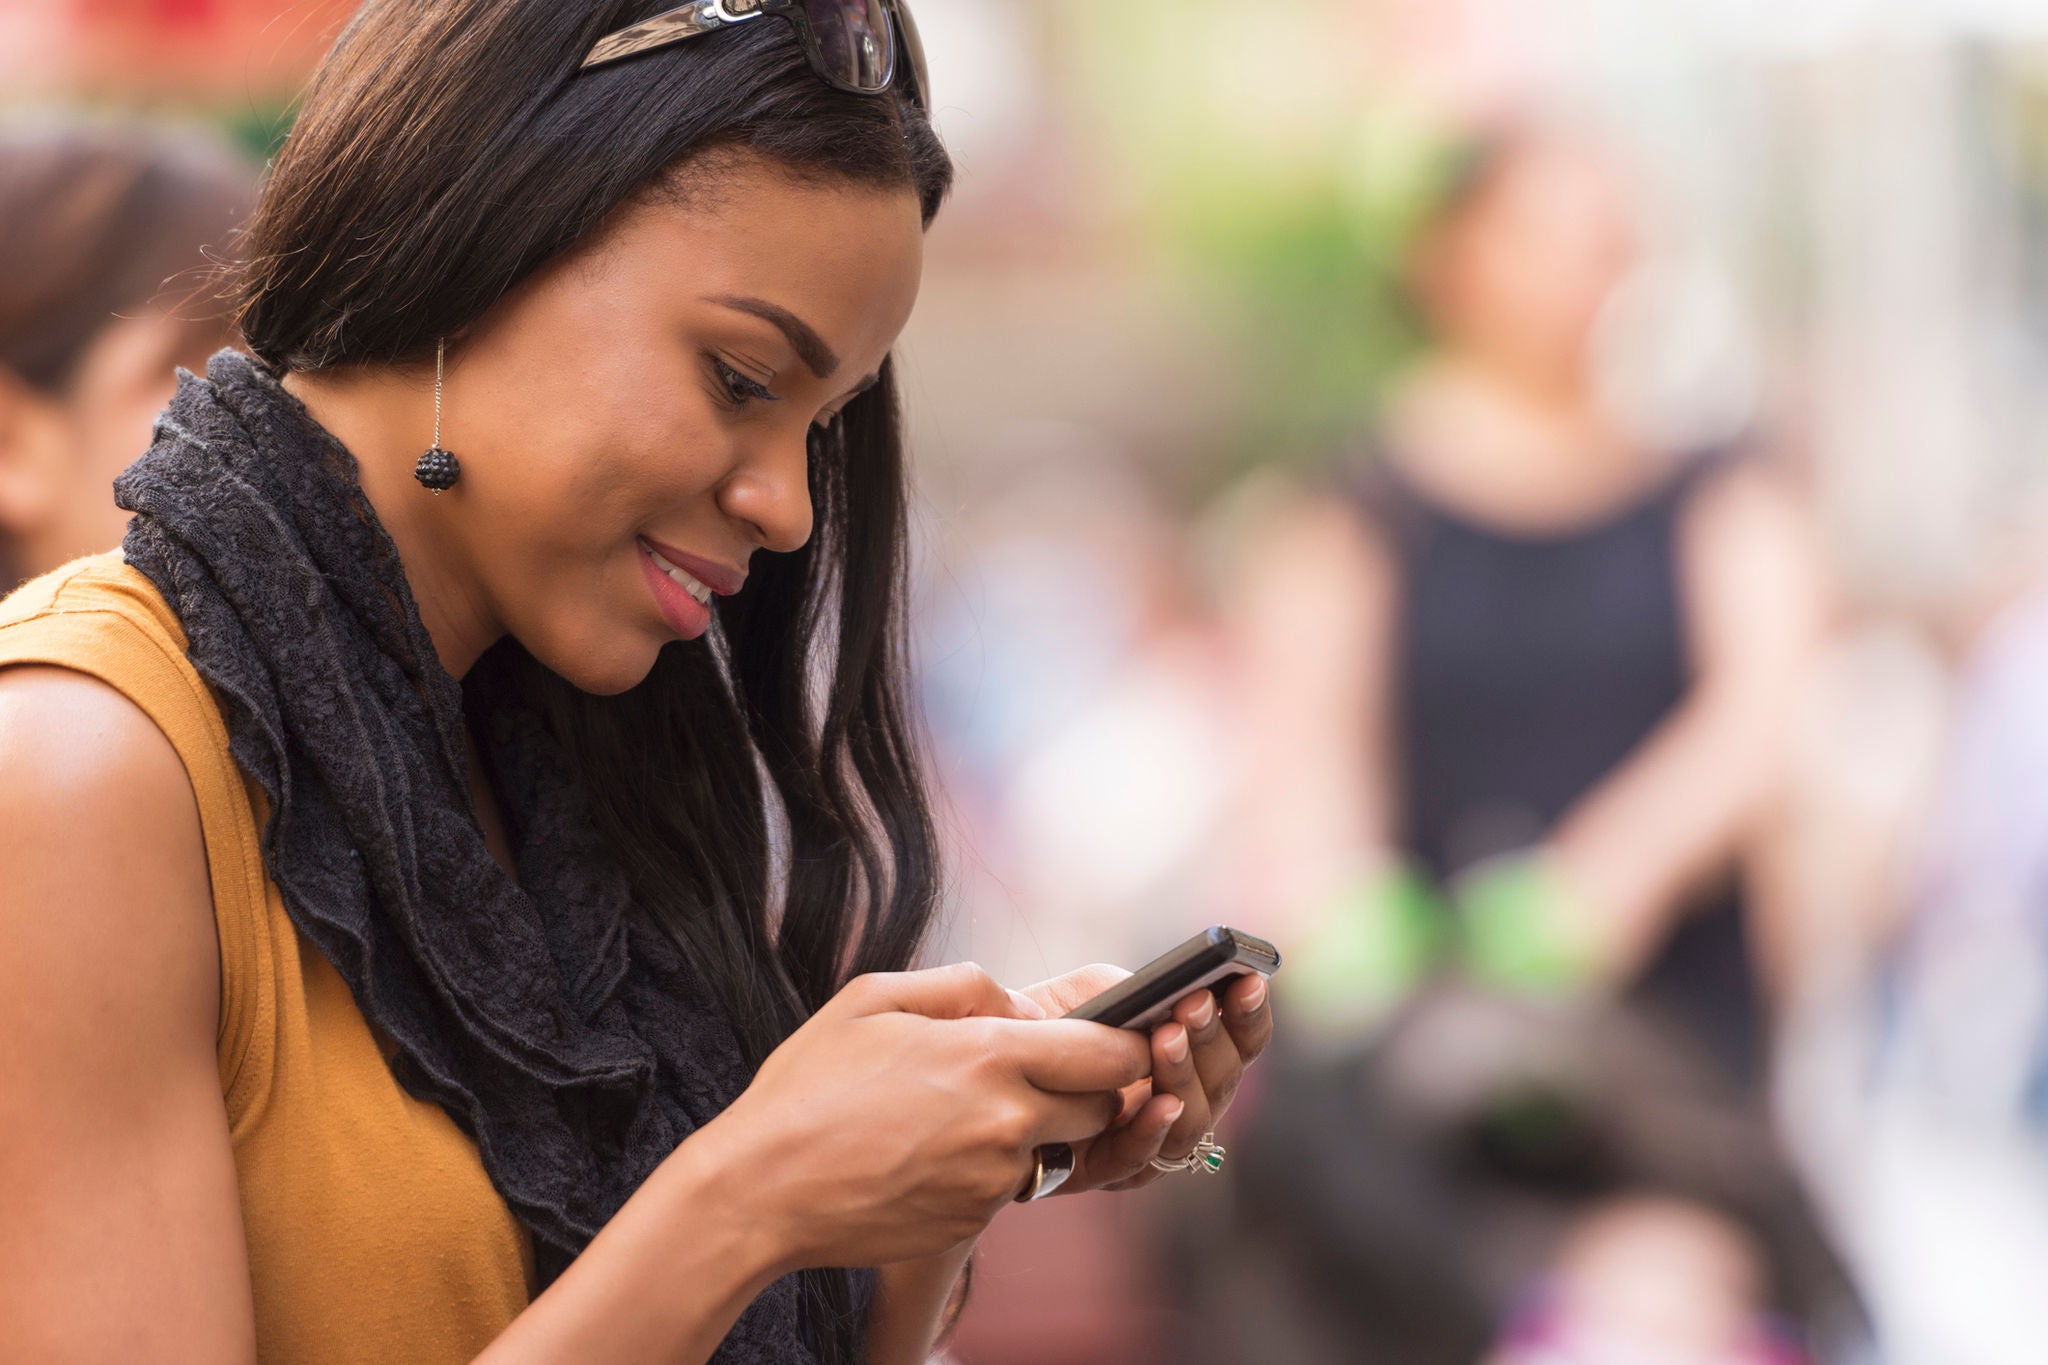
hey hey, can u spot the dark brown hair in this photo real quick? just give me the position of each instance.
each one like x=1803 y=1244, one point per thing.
x=761 y=787
x=100 y=221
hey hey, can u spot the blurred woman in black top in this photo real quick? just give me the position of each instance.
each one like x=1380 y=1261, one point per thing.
x=1519 y=684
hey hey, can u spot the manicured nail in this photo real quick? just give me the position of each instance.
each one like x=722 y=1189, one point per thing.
x=1175 y=1045
x=1256 y=996
x=1204 y=1012
x=1174 y=1109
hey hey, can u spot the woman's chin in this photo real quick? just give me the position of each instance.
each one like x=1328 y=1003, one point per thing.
x=610 y=674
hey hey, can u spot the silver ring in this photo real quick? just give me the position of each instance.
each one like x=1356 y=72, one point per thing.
x=1207 y=1156
x=1051 y=1165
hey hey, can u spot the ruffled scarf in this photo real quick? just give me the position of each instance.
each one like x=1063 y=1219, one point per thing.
x=559 y=1027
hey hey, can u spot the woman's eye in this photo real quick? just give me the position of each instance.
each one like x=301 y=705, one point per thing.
x=741 y=389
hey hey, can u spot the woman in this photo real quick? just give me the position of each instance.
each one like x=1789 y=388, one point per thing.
x=1522 y=684
x=1559 y=663
x=101 y=230
x=530 y=985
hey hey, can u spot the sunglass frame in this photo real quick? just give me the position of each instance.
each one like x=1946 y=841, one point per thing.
x=906 y=59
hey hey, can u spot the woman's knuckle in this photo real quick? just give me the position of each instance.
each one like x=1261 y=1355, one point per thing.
x=1010 y=1125
x=986 y=1053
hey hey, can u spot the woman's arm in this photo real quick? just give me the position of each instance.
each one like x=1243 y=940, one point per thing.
x=890 y=1128
x=1677 y=809
x=887 y=1131
x=911 y=1303
x=122 y=1238
x=122 y=1233
x=1313 y=609
x=665 y=1280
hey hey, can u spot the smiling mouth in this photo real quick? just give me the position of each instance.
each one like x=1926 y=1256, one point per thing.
x=688 y=584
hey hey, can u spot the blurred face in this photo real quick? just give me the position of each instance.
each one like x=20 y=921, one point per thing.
x=1522 y=273
x=59 y=452
x=633 y=422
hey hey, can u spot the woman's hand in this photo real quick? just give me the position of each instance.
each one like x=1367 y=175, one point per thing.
x=1197 y=1059
x=903 y=1116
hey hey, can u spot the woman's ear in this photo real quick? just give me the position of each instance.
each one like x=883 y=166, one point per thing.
x=32 y=455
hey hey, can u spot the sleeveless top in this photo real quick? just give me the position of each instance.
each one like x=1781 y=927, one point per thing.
x=373 y=1232
x=1530 y=667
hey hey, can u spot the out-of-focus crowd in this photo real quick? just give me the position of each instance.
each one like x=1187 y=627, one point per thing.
x=1469 y=597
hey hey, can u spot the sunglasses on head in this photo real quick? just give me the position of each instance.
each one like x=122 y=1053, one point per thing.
x=862 y=46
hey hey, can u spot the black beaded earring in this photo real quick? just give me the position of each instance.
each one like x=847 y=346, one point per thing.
x=438 y=469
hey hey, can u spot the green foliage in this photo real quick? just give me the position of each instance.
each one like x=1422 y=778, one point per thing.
x=259 y=129
x=1284 y=196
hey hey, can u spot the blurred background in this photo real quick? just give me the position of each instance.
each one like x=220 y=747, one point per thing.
x=1536 y=506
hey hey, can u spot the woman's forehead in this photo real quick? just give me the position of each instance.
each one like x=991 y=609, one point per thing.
x=845 y=259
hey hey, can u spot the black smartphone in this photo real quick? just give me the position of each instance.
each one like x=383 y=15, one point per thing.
x=1146 y=998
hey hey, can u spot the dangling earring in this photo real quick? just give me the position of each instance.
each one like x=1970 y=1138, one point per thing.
x=438 y=469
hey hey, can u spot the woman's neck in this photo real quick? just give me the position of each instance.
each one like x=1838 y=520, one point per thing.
x=1509 y=450
x=385 y=419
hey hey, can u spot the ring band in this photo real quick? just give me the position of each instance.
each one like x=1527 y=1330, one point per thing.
x=1051 y=1165
x=1207 y=1156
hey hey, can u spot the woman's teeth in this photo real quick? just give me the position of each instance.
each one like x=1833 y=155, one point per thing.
x=687 y=583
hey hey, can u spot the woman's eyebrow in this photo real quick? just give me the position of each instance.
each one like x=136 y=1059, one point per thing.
x=803 y=338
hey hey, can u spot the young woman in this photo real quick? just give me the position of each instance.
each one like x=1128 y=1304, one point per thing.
x=459 y=904
x=101 y=230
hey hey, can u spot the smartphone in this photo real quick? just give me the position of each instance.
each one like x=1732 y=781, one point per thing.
x=1146 y=999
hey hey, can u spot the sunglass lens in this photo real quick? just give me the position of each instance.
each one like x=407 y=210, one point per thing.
x=855 y=40
x=912 y=50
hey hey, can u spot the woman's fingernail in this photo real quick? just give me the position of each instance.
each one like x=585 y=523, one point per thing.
x=1174 y=1109
x=1204 y=1012
x=1175 y=1044
x=1026 y=1006
x=1256 y=996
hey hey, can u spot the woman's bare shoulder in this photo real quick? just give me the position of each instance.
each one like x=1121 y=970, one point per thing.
x=105 y=864
x=100 y=838
x=116 y=1165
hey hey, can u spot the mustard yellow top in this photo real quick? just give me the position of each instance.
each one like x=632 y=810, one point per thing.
x=373 y=1233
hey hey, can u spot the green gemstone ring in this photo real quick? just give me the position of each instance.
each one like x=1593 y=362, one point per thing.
x=1207 y=1156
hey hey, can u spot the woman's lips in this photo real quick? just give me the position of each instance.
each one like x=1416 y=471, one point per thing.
x=686 y=616
x=720 y=578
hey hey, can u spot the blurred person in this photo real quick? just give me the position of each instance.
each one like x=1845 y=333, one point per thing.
x=1548 y=668
x=103 y=237
x=1516 y=696
x=462 y=901
x=1651 y=1280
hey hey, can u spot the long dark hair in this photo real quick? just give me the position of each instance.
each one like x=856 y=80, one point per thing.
x=762 y=786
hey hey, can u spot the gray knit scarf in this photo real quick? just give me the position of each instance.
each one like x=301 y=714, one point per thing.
x=560 y=1027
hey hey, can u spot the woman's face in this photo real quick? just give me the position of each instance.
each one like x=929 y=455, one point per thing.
x=651 y=395
x=1523 y=272
x=59 y=452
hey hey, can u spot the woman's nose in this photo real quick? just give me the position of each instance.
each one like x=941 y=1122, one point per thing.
x=770 y=490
